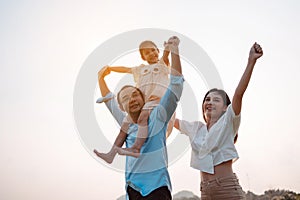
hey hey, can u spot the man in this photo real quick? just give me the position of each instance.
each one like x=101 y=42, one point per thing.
x=147 y=177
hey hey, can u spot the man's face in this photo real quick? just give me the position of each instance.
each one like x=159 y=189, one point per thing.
x=131 y=100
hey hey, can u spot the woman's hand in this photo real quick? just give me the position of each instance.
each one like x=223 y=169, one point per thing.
x=255 y=52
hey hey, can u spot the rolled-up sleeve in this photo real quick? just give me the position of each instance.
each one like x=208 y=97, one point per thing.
x=171 y=97
x=115 y=110
x=236 y=119
x=189 y=128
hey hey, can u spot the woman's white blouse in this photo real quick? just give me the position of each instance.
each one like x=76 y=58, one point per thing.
x=210 y=148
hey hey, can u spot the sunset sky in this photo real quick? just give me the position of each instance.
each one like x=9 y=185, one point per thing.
x=44 y=45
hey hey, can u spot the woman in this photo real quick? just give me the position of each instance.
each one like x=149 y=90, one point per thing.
x=213 y=150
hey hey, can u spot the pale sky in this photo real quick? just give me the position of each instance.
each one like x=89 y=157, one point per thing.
x=45 y=43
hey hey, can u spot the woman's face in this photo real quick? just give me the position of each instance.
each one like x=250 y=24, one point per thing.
x=213 y=106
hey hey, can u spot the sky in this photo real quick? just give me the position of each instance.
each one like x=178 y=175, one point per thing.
x=45 y=43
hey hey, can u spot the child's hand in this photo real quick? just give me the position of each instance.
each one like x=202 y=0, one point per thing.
x=166 y=45
x=255 y=52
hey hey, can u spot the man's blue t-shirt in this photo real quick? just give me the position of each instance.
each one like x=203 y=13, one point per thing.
x=149 y=171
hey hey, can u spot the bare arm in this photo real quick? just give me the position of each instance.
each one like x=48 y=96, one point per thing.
x=176 y=64
x=165 y=56
x=111 y=104
x=104 y=72
x=102 y=84
x=121 y=69
x=255 y=53
x=171 y=97
x=176 y=124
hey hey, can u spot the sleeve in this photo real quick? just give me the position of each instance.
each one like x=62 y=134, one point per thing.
x=108 y=97
x=114 y=109
x=136 y=71
x=189 y=128
x=168 y=102
x=236 y=119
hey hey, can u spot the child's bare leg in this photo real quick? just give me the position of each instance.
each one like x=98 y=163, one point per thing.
x=142 y=135
x=109 y=157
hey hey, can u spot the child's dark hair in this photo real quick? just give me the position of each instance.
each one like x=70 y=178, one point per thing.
x=226 y=101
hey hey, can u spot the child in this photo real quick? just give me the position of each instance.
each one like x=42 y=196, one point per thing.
x=152 y=80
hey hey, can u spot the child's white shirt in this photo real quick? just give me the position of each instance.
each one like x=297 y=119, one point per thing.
x=152 y=80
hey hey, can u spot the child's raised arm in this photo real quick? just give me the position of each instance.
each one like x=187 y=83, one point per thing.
x=166 y=53
x=255 y=53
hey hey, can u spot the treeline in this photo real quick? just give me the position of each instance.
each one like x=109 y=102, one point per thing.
x=277 y=194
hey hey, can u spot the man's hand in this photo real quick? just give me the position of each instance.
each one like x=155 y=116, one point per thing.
x=103 y=72
x=172 y=44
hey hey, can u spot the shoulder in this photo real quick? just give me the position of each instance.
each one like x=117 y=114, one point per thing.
x=187 y=126
x=230 y=112
x=138 y=67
